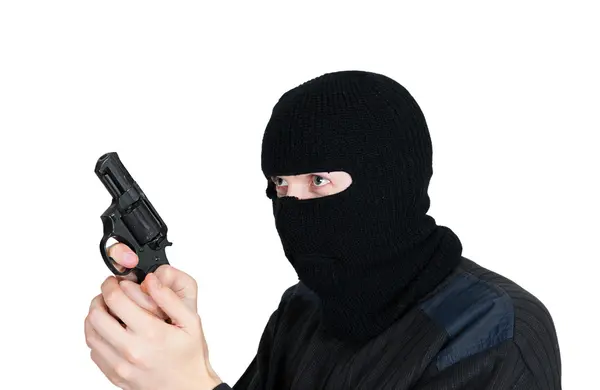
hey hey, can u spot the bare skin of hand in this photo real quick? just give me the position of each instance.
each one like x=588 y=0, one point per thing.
x=160 y=343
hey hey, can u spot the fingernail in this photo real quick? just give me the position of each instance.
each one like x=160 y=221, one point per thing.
x=129 y=258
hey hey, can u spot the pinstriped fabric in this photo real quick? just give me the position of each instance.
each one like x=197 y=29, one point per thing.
x=294 y=354
x=535 y=333
x=476 y=315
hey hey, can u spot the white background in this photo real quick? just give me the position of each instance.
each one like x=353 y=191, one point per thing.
x=183 y=91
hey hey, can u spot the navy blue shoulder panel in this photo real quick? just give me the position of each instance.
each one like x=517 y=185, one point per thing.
x=475 y=314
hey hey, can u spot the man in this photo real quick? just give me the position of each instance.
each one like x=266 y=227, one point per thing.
x=385 y=299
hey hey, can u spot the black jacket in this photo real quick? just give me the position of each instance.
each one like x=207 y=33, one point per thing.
x=476 y=330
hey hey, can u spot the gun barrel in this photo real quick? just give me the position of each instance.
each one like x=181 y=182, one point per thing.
x=113 y=174
x=117 y=180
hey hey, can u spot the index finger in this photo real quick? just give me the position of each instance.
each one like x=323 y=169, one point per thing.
x=106 y=326
x=124 y=258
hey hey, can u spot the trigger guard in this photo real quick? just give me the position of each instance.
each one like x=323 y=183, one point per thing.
x=116 y=271
x=109 y=260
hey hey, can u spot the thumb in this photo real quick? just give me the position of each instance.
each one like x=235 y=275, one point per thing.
x=174 y=307
x=182 y=284
x=135 y=293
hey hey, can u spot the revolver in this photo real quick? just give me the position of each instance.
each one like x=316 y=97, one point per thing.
x=130 y=219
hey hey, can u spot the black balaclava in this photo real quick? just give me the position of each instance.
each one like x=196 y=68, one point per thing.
x=370 y=251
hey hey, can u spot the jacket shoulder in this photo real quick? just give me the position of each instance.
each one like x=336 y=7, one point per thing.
x=482 y=311
x=534 y=331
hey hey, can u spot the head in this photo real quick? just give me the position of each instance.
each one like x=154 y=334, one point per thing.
x=344 y=153
x=348 y=158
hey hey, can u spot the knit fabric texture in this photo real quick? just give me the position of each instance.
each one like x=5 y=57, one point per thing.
x=370 y=251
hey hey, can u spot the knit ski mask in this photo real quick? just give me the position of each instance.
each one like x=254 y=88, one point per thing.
x=370 y=251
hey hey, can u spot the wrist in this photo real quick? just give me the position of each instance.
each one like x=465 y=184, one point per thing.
x=209 y=381
x=213 y=382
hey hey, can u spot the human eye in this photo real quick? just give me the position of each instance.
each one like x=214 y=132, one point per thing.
x=320 y=181
x=278 y=181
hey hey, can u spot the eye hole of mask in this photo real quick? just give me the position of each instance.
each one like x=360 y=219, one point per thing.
x=306 y=186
